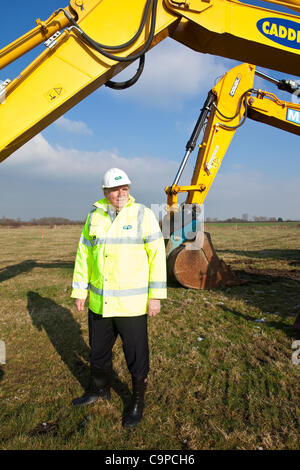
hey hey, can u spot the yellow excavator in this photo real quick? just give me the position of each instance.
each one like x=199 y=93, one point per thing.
x=90 y=41
x=192 y=260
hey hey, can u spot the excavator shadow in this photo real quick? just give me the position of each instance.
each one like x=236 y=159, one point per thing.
x=273 y=291
x=279 y=325
x=28 y=265
x=291 y=256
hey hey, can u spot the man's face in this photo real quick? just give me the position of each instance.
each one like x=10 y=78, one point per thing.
x=117 y=196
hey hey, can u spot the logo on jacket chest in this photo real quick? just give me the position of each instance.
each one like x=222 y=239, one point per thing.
x=127 y=227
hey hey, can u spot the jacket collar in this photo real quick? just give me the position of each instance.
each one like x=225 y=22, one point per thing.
x=104 y=203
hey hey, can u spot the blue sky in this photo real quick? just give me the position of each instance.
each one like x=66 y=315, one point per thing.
x=143 y=130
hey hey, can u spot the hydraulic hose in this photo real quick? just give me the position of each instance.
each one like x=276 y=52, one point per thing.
x=131 y=81
x=242 y=121
x=102 y=48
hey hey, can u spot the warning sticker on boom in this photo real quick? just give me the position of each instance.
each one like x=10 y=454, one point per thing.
x=54 y=93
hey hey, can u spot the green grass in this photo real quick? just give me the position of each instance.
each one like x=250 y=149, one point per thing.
x=219 y=379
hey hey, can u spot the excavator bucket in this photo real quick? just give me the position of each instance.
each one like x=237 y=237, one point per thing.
x=196 y=265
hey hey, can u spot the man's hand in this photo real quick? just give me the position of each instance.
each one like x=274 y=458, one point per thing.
x=154 y=307
x=79 y=304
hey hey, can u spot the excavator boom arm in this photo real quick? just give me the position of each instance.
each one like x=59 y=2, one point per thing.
x=225 y=113
x=268 y=109
x=233 y=100
x=267 y=38
x=192 y=260
x=70 y=68
x=73 y=64
x=42 y=32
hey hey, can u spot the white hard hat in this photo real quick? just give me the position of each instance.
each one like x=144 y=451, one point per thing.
x=115 y=177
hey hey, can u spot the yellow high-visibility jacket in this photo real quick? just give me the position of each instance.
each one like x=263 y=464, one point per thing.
x=122 y=263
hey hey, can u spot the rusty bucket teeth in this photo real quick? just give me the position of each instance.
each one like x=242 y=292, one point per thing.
x=196 y=265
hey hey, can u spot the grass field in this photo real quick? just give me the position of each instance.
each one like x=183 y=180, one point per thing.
x=222 y=375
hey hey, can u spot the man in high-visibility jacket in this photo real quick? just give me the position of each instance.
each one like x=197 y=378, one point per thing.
x=121 y=263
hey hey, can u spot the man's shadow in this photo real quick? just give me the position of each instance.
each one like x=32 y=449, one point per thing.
x=65 y=335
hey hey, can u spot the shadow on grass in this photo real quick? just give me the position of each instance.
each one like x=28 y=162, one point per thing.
x=65 y=334
x=286 y=283
x=292 y=256
x=268 y=276
x=1 y=373
x=287 y=286
x=63 y=331
x=26 y=266
x=280 y=325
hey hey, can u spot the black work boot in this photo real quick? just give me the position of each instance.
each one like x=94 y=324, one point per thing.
x=135 y=412
x=99 y=387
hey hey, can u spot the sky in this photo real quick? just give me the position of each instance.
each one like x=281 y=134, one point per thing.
x=144 y=131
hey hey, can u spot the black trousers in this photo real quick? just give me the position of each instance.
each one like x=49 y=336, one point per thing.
x=133 y=331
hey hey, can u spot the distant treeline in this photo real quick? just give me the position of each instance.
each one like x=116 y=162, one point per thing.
x=246 y=220
x=52 y=221
x=49 y=221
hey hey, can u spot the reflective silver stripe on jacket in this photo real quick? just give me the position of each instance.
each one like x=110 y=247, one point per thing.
x=118 y=241
x=140 y=218
x=91 y=215
x=80 y=285
x=127 y=292
x=119 y=292
x=85 y=242
x=153 y=237
x=124 y=240
x=157 y=285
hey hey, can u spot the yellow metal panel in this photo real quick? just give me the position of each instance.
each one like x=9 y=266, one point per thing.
x=54 y=93
x=28 y=41
x=217 y=137
x=234 y=92
x=74 y=67
x=215 y=26
x=219 y=27
x=293 y=4
x=268 y=109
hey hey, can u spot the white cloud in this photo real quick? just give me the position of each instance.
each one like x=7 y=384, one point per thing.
x=73 y=127
x=39 y=159
x=173 y=73
x=237 y=192
x=233 y=192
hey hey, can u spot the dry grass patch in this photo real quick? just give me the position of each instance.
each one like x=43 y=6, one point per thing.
x=221 y=371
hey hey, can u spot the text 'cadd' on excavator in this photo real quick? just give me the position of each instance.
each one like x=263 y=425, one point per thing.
x=75 y=63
